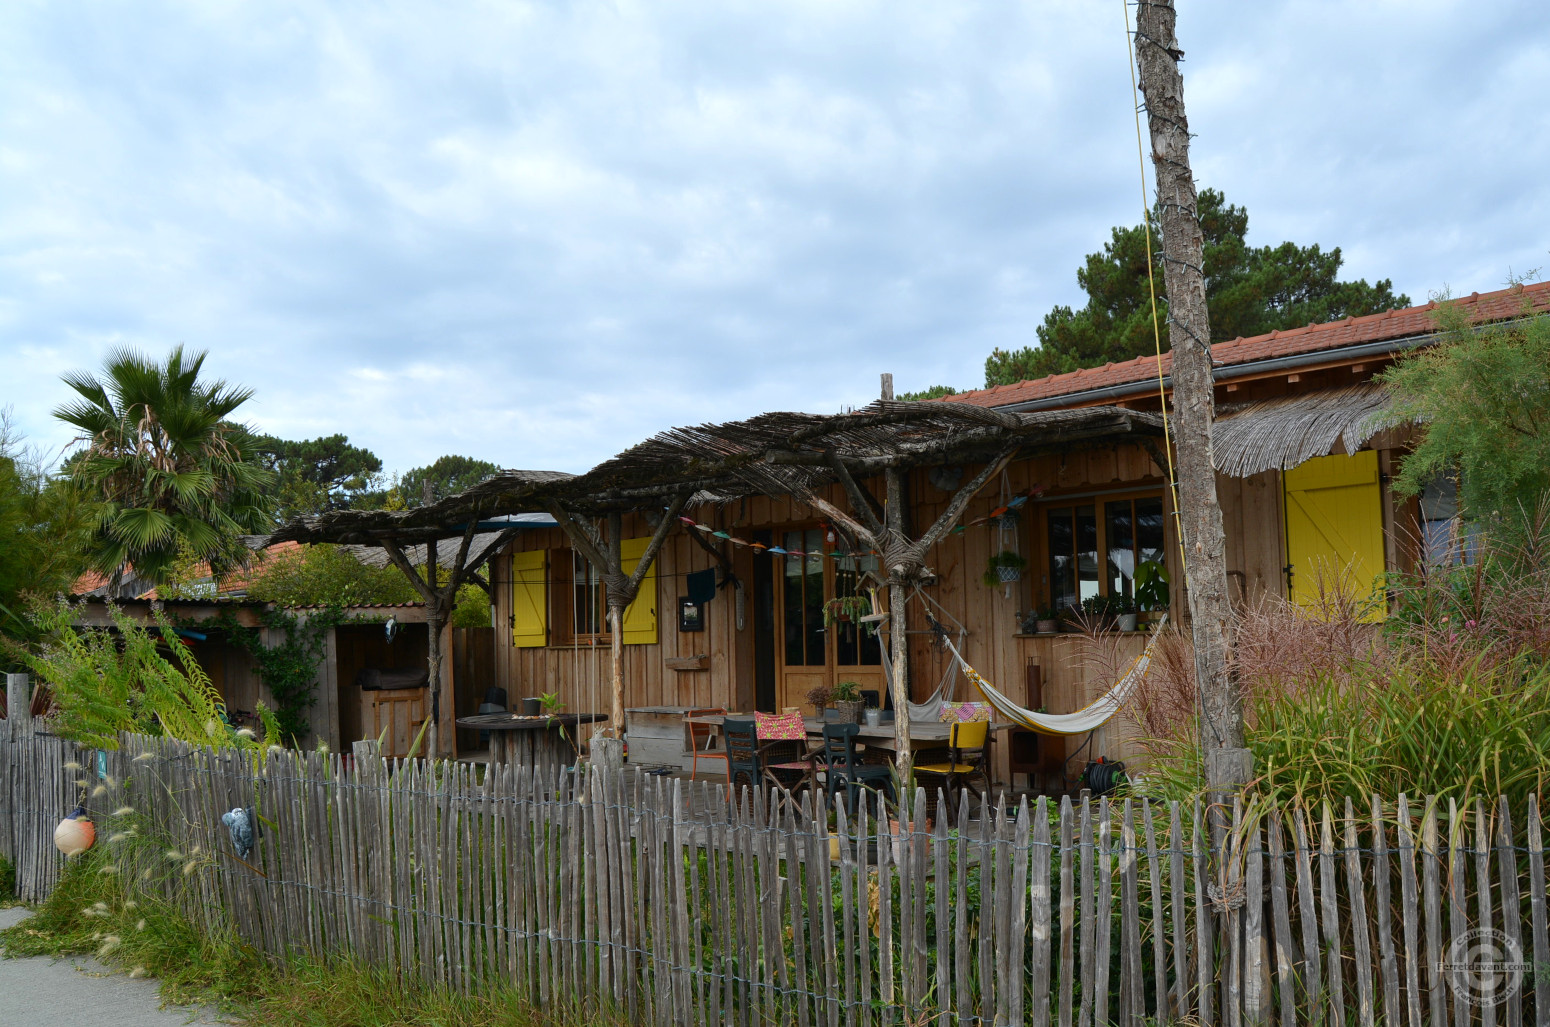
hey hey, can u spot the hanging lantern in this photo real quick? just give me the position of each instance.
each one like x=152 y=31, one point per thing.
x=75 y=834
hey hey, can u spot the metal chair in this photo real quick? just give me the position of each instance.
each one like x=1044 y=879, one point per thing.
x=702 y=739
x=842 y=766
x=966 y=758
x=742 y=752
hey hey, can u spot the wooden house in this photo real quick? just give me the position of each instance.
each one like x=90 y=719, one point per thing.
x=1304 y=489
x=770 y=527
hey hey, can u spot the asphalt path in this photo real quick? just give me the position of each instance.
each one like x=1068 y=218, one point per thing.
x=77 y=990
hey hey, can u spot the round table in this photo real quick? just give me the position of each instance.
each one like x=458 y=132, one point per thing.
x=542 y=741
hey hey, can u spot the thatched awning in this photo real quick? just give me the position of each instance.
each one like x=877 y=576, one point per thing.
x=1277 y=434
x=775 y=453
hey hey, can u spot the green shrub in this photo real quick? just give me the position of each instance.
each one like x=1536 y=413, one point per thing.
x=131 y=678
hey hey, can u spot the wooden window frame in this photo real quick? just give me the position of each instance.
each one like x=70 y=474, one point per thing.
x=563 y=562
x=1044 y=588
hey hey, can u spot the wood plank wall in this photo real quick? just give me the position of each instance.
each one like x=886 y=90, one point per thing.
x=1251 y=509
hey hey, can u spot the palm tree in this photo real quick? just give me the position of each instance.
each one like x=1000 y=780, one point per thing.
x=175 y=477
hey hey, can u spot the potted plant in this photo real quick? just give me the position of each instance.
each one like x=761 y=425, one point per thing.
x=848 y=702
x=1047 y=621
x=1123 y=609
x=1096 y=615
x=820 y=697
x=845 y=610
x=1004 y=568
x=1152 y=588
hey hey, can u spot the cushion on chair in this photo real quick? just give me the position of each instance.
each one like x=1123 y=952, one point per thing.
x=780 y=726
x=964 y=712
x=945 y=768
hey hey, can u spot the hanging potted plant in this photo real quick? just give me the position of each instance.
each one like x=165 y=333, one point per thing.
x=845 y=610
x=1003 y=568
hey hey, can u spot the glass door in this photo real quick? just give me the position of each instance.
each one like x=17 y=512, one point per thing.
x=813 y=654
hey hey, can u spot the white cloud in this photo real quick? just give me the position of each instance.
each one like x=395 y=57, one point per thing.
x=536 y=233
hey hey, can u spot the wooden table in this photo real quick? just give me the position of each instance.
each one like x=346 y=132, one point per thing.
x=543 y=741
x=923 y=733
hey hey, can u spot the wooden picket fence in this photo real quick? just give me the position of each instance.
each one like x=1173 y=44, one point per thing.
x=664 y=903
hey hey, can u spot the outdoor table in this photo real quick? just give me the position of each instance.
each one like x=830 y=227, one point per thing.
x=542 y=741
x=923 y=733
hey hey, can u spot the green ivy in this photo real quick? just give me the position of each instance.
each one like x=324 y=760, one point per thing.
x=288 y=670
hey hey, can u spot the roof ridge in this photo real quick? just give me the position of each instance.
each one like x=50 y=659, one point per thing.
x=1378 y=326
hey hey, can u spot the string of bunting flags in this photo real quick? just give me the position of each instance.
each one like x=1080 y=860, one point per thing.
x=1012 y=505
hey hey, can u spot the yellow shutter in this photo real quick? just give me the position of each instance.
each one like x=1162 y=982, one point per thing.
x=640 y=617
x=529 y=599
x=1334 y=526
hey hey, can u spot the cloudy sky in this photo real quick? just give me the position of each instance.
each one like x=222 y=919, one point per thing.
x=536 y=233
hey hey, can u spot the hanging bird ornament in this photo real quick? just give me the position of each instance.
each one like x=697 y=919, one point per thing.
x=75 y=834
x=243 y=826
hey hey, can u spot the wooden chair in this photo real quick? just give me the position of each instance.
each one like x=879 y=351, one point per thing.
x=783 y=757
x=702 y=740
x=967 y=742
x=842 y=766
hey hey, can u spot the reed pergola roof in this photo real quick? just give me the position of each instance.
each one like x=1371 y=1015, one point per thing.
x=773 y=453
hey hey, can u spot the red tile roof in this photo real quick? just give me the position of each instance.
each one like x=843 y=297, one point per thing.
x=237 y=580
x=1393 y=324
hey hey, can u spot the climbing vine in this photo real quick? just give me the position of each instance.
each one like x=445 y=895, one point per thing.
x=288 y=670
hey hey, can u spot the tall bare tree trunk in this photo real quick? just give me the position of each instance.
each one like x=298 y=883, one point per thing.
x=433 y=618
x=1189 y=337
x=616 y=623
x=898 y=619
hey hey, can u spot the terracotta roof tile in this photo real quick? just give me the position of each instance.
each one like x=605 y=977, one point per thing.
x=1351 y=331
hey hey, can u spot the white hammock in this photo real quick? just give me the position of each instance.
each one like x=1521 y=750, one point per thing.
x=1089 y=718
x=931 y=709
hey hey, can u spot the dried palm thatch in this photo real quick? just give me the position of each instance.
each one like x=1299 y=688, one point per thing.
x=1276 y=434
x=779 y=453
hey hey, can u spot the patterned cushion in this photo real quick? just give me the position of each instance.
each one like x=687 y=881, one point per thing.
x=790 y=766
x=964 y=712
x=773 y=726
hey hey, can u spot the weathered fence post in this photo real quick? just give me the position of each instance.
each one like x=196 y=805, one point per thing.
x=18 y=699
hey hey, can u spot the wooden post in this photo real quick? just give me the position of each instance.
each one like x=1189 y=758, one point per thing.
x=898 y=620
x=433 y=629
x=617 y=602
x=607 y=557
x=1189 y=337
x=18 y=700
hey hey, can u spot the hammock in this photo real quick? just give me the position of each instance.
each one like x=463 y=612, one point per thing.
x=1089 y=718
x=931 y=709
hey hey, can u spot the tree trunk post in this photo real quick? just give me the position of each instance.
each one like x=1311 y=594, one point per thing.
x=616 y=605
x=616 y=664
x=433 y=626
x=1200 y=522
x=898 y=619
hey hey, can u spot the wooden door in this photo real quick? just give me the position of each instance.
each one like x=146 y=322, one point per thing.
x=395 y=715
x=1334 y=527
x=809 y=652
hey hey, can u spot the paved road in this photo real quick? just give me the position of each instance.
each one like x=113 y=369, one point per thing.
x=77 y=991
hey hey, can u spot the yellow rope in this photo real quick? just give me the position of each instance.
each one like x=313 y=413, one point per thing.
x=1151 y=284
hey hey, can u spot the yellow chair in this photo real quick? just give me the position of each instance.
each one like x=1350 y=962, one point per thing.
x=966 y=745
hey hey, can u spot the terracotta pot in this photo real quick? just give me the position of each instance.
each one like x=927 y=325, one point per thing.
x=1046 y=627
